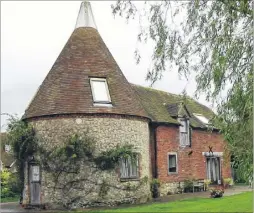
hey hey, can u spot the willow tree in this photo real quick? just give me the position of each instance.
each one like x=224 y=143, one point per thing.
x=212 y=40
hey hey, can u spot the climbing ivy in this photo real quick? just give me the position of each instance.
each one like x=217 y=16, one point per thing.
x=64 y=161
x=109 y=159
x=21 y=136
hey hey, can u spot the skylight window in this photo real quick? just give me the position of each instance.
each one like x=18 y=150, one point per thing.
x=100 y=91
x=203 y=119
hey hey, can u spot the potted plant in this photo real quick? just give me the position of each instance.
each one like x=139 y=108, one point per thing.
x=155 y=188
x=207 y=182
x=228 y=182
x=216 y=192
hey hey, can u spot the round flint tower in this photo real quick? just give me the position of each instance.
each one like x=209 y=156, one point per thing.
x=85 y=89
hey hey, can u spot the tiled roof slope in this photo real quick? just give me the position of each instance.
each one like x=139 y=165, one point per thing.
x=162 y=106
x=66 y=89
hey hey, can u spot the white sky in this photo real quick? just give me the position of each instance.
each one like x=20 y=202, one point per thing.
x=34 y=32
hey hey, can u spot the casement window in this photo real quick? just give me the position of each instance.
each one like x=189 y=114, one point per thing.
x=100 y=91
x=185 y=132
x=172 y=163
x=129 y=167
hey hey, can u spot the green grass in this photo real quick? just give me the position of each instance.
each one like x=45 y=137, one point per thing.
x=10 y=199
x=235 y=203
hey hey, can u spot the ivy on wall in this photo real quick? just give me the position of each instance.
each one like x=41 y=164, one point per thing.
x=64 y=162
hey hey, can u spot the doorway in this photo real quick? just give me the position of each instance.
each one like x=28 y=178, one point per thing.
x=213 y=169
x=35 y=185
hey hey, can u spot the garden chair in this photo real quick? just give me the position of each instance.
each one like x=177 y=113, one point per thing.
x=199 y=184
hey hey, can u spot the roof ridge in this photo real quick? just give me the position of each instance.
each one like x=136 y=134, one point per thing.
x=159 y=90
x=169 y=93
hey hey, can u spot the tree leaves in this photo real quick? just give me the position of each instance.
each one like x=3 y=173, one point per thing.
x=214 y=41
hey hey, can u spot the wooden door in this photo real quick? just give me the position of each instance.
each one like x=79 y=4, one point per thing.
x=35 y=185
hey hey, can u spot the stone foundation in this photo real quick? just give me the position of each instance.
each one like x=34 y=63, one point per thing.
x=170 y=188
x=87 y=191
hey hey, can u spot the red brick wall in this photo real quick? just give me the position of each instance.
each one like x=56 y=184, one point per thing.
x=189 y=165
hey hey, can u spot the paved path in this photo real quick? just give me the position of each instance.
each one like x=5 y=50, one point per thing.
x=14 y=207
x=228 y=192
x=237 y=190
x=11 y=207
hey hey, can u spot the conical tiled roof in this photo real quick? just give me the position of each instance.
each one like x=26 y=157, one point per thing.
x=66 y=89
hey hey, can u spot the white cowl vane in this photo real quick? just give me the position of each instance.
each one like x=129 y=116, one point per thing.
x=85 y=16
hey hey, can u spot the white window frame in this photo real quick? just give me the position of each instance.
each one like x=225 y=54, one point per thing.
x=172 y=153
x=187 y=132
x=129 y=176
x=99 y=102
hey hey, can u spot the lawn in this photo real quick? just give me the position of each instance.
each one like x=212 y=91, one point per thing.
x=235 y=203
x=10 y=199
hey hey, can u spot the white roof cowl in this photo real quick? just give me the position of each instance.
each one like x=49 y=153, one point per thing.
x=85 y=16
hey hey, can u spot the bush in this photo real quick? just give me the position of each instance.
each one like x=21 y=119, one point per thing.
x=10 y=185
x=155 y=184
x=188 y=186
x=228 y=182
x=207 y=182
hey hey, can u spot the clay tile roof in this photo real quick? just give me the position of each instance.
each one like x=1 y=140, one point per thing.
x=66 y=88
x=163 y=106
x=173 y=109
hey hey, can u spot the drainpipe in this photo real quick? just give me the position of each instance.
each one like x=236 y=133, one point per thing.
x=155 y=152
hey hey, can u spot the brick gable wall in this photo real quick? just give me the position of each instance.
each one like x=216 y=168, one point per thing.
x=190 y=165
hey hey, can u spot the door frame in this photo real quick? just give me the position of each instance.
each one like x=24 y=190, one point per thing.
x=32 y=163
x=219 y=181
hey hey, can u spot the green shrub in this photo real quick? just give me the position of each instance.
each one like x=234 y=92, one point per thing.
x=10 y=185
x=228 y=181
x=188 y=185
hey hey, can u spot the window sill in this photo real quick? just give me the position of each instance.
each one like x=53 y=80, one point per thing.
x=172 y=173
x=129 y=179
x=103 y=104
x=187 y=146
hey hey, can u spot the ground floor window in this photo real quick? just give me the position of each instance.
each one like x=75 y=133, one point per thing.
x=172 y=163
x=213 y=169
x=129 y=167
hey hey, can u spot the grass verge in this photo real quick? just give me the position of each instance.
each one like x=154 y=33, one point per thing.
x=10 y=199
x=235 y=203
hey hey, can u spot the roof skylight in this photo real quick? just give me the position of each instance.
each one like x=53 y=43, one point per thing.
x=200 y=117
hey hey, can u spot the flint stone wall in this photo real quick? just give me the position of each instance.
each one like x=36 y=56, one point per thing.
x=96 y=188
x=170 y=188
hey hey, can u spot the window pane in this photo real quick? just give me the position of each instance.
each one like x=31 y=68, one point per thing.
x=100 y=92
x=35 y=173
x=134 y=168
x=172 y=163
x=129 y=168
x=183 y=127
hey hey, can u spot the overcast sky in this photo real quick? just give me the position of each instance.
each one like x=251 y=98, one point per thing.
x=34 y=33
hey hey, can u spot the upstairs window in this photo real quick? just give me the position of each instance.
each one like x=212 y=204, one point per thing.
x=100 y=91
x=129 y=167
x=185 y=133
x=172 y=163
